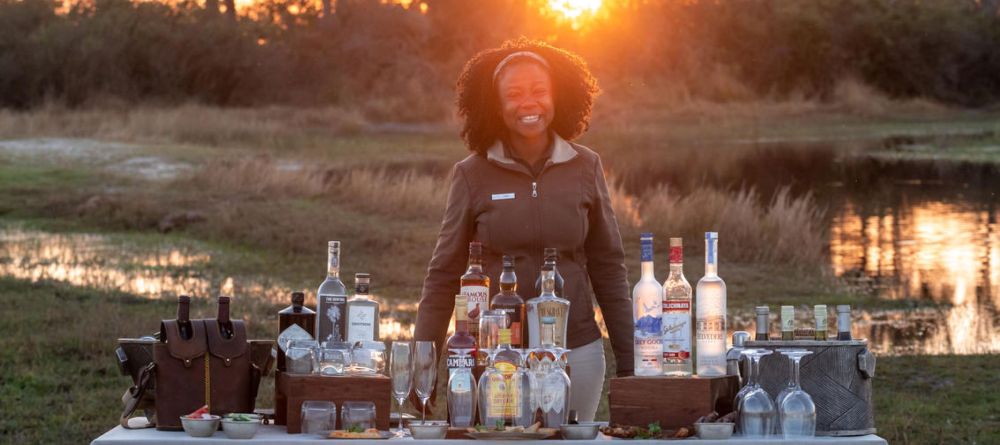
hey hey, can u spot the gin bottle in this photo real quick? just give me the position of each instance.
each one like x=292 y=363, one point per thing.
x=819 y=312
x=510 y=302
x=710 y=310
x=788 y=322
x=551 y=257
x=475 y=284
x=296 y=314
x=647 y=309
x=501 y=400
x=362 y=312
x=461 y=359
x=547 y=304
x=331 y=299
x=676 y=316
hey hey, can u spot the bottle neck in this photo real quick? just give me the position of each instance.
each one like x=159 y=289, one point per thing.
x=676 y=269
x=475 y=264
x=508 y=281
x=183 y=309
x=762 y=324
x=223 y=315
x=548 y=282
x=711 y=257
x=333 y=264
x=647 y=270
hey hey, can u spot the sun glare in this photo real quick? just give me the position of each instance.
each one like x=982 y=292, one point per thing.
x=574 y=11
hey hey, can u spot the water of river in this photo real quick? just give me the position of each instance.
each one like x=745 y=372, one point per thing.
x=922 y=231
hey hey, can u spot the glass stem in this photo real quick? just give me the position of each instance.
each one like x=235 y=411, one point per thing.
x=756 y=370
x=797 y=359
x=791 y=372
x=423 y=412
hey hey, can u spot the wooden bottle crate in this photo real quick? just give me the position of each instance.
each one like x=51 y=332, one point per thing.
x=294 y=389
x=672 y=401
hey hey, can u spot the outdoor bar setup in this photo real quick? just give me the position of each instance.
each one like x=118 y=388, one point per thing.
x=508 y=377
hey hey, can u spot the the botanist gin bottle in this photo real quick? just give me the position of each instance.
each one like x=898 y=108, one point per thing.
x=331 y=299
x=710 y=309
x=647 y=307
x=676 y=316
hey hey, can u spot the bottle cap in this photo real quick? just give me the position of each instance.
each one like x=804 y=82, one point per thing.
x=843 y=308
x=740 y=338
x=508 y=261
x=298 y=298
x=762 y=310
x=820 y=311
x=676 y=242
x=183 y=299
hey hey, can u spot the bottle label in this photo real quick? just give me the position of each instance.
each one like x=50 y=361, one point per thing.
x=648 y=352
x=460 y=361
x=479 y=302
x=361 y=323
x=677 y=306
x=677 y=334
x=712 y=327
x=503 y=393
x=515 y=334
x=330 y=311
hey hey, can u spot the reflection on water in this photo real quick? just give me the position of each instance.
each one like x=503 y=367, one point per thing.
x=154 y=271
x=932 y=250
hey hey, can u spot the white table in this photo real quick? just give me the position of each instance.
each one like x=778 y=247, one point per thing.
x=276 y=435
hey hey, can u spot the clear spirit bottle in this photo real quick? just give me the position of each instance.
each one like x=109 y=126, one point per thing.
x=511 y=303
x=647 y=310
x=710 y=312
x=788 y=322
x=763 y=323
x=362 y=312
x=475 y=284
x=676 y=316
x=547 y=304
x=331 y=300
x=819 y=311
x=844 y=322
x=461 y=359
x=551 y=257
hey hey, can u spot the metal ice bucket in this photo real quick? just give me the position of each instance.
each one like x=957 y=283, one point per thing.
x=838 y=375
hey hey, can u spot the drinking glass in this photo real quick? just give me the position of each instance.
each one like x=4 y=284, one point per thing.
x=789 y=386
x=357 y=415
x=425 y=370
x=333 y=361
x=490 y=323
x=318 y=417
x=553 y=392
x=524 y=380
x=757 y=412
x=367 y=357
x=797 y=410
x=401 y=370
x=300 y=358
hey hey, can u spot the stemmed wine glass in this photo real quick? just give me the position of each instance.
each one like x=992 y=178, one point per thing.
x=523 y=378
x=425 y=368
x=401 y=370
x=756 y=409
x=747 y=385
x=797 y=410
x=789 y=386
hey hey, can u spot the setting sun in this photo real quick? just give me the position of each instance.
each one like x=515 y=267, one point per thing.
x=574 y=10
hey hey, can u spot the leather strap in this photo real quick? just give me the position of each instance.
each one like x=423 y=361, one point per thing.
x=135 y=394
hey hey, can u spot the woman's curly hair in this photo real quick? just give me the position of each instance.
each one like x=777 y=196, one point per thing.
x=574 y=89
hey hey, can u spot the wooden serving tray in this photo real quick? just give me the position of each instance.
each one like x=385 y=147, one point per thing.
x=294 y=389
x=672 y=401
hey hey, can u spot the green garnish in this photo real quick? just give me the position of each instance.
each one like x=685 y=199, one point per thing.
x=500 y=425
x=480 y=427
x=241 y=418
x=355 y=428
x=654 y=429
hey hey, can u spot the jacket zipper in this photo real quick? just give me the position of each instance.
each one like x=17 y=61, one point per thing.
x=534 y=189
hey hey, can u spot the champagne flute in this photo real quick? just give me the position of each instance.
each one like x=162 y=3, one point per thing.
x=401 y=370
x=425 y=353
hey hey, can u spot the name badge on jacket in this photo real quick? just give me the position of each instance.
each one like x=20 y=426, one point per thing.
x=502 y=196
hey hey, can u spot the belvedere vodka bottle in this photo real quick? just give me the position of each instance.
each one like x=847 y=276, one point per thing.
x=647 y=308
x=710 y=310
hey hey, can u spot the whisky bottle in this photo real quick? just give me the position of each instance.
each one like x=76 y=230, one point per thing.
x=511 y=303
x=475 y=284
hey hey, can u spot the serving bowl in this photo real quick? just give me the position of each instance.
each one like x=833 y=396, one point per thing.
x=579 y=431
x=240 y=429
x=428 y=430
x=200 y=427
x=714 y=430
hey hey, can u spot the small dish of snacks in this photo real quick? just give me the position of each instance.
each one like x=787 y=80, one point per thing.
x=200 y=423
x=714 y=426
x=653 y=431
x=501 y=432
x=240 y=425
x=428 y=430
x=358 y=433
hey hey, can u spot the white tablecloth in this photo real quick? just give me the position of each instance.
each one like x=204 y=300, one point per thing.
x=276 y=435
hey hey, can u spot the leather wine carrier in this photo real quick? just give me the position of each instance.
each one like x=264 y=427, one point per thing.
x=206 y=369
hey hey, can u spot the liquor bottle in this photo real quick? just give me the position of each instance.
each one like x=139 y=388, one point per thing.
x=551 y=256
x=510 y=302
x=763 y=323
x=843 y=322
x=184 y=317
x=788 y=322
x=225 y=325
x=820 y=313
x=504 y=399
x=710 y=311
x=734 y=356
x=547 y=304
x=362 y=312
x=476 y=285
x=296 y=314
x=676 y=316
x=647 y=312
x=331 y=299
x=461 y=359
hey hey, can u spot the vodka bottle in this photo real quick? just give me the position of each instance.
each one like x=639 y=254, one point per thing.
x=362 y=312
x=510 y=302
x=788 y=322
x=647 y=310
x=551 y=257
x=461 y=358
x=475 y=284
x=820 y=313
x=710 y=309
x=547 y=305
x=676 y=316
x=763 y=323
x=331 y=300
